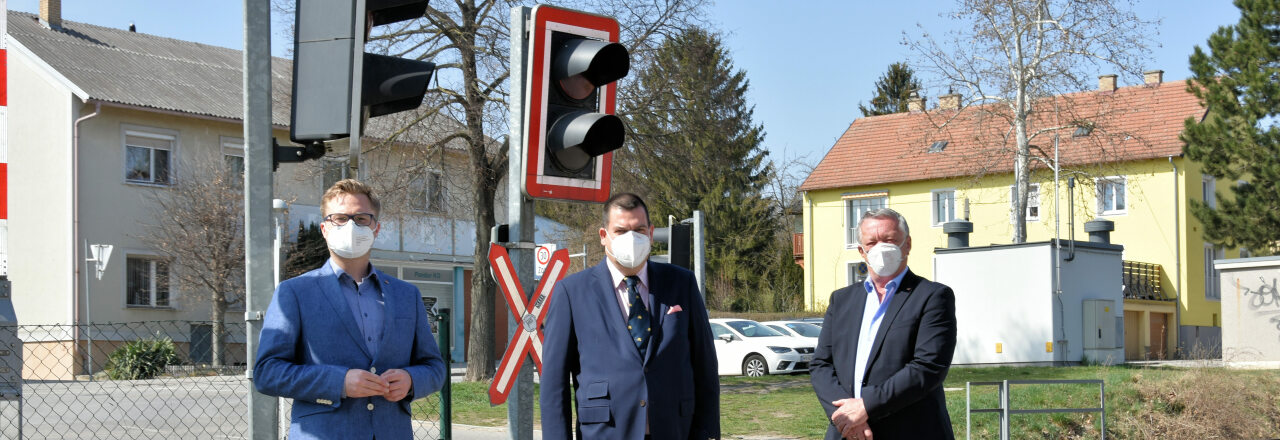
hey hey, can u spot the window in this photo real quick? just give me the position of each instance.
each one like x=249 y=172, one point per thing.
x=720 y=330
x=428 y=194
x=854 y=206
x=1211 y=286
x=944 y=206
x=233 y=158
x=857 y=272
x=1207 y=187
x=1111 y=192
x=147 y=282
x=1033 y=201
x=334 y=170
x=1082 y=130
x=148 y=157
x=938 y=146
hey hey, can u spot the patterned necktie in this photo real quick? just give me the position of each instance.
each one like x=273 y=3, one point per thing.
x=638 y=319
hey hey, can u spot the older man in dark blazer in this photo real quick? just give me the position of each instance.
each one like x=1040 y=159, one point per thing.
x=886 y=344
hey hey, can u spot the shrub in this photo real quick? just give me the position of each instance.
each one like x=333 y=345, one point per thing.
x=142 y=359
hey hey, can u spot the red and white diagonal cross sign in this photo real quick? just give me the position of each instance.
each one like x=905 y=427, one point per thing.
x=528 y=339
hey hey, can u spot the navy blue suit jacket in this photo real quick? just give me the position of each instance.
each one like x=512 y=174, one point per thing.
x=587 y=347
x=910 y=356
x=309 y=341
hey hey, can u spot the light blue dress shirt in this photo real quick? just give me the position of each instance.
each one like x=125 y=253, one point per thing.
x=872 y=315
x=366 y=303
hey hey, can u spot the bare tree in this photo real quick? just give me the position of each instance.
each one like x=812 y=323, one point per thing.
x=199 y=227
x=469 y=42
x=1013 y=59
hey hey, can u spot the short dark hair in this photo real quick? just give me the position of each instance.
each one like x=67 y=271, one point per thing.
x=627 y=202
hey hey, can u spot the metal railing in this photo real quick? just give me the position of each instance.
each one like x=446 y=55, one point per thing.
x=1006 y=410
x=1142 y=281
x=148 y=380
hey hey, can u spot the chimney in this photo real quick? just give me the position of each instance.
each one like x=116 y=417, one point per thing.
x=950 y=101
x=1153 y=77
x=915 y=103
x=51 y=14
x=1106 y=83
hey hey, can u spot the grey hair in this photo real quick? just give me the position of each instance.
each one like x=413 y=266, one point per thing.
x=882 y=213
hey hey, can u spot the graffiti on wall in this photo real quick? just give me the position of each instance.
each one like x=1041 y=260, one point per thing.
x=1263 y=298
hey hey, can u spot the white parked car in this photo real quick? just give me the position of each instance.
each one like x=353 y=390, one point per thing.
x=753 y=349
x=796 y=329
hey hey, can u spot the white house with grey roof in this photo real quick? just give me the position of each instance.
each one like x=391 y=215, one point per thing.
x=100 y=117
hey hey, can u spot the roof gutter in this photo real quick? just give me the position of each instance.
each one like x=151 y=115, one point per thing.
x=1177 y=261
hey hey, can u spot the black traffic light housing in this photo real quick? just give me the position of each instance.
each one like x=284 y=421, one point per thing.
x=578 y=131
x=679 y=240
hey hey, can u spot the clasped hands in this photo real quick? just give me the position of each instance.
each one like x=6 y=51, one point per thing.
x=850 y=418
x=392 y=384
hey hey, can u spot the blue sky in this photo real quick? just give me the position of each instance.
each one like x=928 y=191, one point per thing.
x=809 y=63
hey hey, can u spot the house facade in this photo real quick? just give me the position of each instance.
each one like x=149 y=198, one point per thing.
x=102 y=121
x=1119 y=160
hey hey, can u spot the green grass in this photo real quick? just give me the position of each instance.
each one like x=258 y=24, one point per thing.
x=1141 y=403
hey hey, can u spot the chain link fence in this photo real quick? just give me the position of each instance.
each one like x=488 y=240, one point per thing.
x=139 y=380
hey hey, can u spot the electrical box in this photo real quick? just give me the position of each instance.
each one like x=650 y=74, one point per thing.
x=1099 y=324
x=10 y=347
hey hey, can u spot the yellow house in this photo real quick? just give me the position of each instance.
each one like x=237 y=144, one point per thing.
x=1120 y=160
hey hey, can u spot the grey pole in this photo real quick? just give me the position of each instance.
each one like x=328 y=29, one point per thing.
x=278 y=208
x=257 y=201
x=520 y=217
x=699 y=253
x=357 y=81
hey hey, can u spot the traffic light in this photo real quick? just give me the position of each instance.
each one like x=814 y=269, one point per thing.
x=574 y=63
x=679 y=240
x=331 y=71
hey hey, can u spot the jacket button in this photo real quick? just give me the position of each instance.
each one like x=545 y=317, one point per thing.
x=370 y=406
x=373 y=370
x=642 y=402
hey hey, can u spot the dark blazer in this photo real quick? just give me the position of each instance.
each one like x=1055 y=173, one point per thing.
x=309 y=341
x=587 y=346
x=910 y=355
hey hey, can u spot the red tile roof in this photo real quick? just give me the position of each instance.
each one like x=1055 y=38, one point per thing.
x=1131 y=123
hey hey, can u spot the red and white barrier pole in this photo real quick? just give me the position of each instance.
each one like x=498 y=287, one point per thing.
x=4 y=140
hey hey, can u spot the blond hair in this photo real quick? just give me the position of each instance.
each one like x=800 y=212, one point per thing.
x=348 y=187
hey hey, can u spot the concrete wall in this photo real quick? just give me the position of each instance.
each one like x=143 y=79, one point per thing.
x=1006 y=309
x=1251 y=310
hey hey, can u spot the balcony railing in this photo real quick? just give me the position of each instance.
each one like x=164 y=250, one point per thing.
x=1142 y=281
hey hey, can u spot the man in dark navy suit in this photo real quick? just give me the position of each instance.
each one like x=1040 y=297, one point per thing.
x=886 y=344
x=631 y=337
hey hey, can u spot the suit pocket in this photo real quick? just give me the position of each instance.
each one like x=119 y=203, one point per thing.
x=597 y=413
x=595 y=390
x=593 y=403
x=303 y=409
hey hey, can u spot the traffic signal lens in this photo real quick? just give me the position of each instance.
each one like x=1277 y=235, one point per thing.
x=585 y=64
x=578 y=136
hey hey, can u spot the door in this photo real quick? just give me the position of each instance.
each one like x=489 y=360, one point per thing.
x=1134 y=347
x=1159 y=335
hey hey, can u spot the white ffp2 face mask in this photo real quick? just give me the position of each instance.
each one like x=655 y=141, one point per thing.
x=350 y=240
x=630 y=249
x=884 y=258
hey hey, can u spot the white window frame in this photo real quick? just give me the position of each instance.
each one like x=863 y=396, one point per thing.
x=851 y=217
x=950 y=207
x=1212 y=283
x=851 y=272
x=233 y=147
x=152 y=289
x=431 y=182
x=1123 y=195
x=1033 y=201
x=158 y=134
x=1208 y=186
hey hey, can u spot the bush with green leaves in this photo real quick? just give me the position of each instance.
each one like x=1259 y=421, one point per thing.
x=142 y=359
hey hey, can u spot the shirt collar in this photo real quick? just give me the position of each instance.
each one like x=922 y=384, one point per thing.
x=371 y=273
x=618 y=276
x=890 y=287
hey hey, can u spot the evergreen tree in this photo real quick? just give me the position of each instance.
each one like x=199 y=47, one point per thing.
x=308 y=252
x=893 y=89
x=1239 y=137
x=694 y=147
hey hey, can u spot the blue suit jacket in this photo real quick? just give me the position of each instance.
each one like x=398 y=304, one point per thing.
x=910 y=356
x=586 y=341
x=309 y=341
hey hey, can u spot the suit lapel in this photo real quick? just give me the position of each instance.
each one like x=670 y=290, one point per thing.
x=909 y=283
x=608 y=309
x=333 y=293
x=857 y=304
x=390 y=309
x=660 y=298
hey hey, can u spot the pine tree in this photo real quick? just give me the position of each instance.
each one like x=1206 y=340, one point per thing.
x=695 y=147
x=1239 y=137
x=893 y=89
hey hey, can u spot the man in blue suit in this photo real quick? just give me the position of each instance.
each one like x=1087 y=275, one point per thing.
x=350 y=344
x=631 y=337
x=886 y=344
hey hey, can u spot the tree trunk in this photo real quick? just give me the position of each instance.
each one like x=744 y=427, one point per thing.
x=218 y=329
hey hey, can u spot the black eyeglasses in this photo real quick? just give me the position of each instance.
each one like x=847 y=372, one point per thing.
x=361 y=218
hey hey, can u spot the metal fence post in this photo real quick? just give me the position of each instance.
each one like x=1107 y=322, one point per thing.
x=446 y=390
x=1004 y=409
x=1102 y=403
